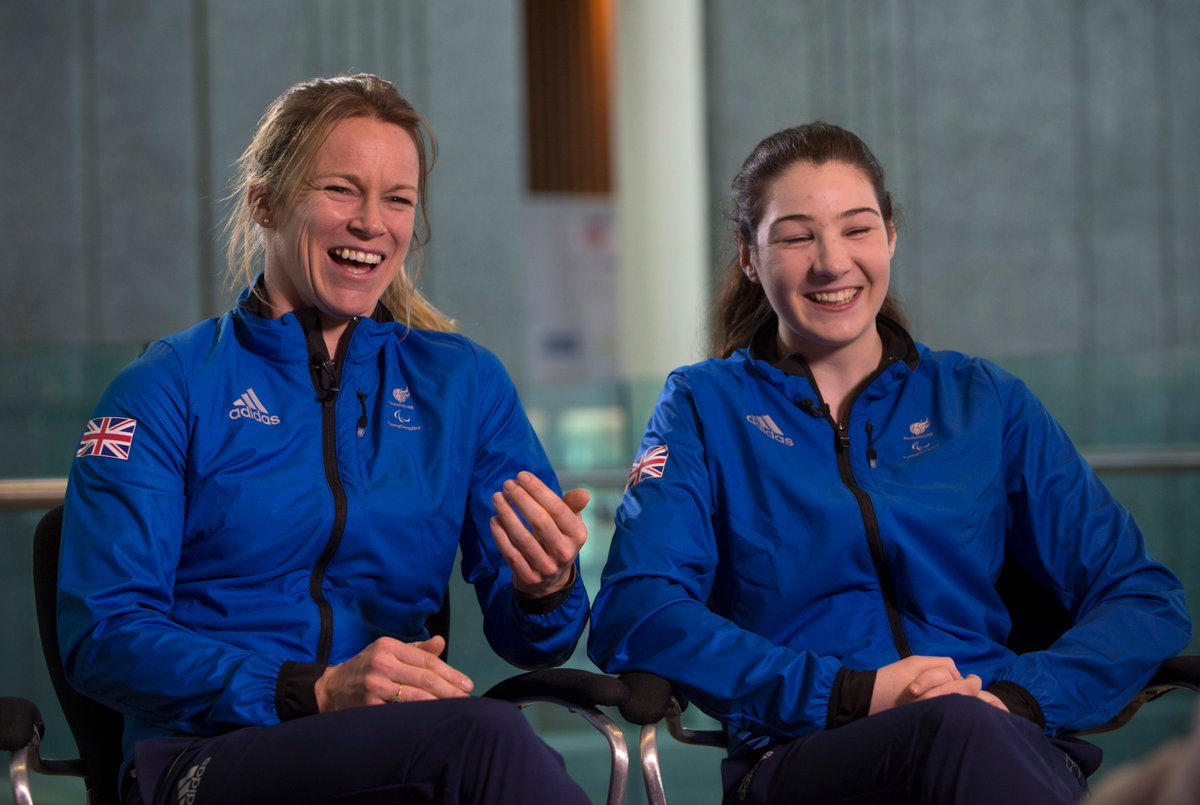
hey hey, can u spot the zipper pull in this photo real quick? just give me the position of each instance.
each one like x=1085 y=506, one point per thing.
x=325 y=375
x=362 y=420
x=872 y=458
x=843 y=437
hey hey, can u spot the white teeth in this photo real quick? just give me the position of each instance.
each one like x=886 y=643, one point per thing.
x=358 y=257
x=835 y=297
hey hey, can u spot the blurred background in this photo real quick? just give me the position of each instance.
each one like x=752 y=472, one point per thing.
x=1044 y=154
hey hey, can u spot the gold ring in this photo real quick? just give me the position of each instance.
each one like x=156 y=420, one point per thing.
x=399 y=697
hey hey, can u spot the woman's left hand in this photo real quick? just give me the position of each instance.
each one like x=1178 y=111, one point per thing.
x=542 y=555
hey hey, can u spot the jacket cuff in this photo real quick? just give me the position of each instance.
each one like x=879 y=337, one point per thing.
x=295 y=690
x=545 y=604
x=1019 y=702
x=850 y=698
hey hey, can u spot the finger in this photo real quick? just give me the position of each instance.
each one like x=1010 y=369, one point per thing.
x=415 y=665
x=963 y=687
x=544 y=553
x=930 y=678
x=514 y=558
x=993 y=700
x=577 y=499
x=545 y=511
x=434 y=645
x=420 y=685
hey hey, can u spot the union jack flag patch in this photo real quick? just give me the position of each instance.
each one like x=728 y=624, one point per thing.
x=652 y=464
x=108 y=436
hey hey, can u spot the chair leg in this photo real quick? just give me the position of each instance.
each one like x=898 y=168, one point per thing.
x=618 y=778
x=18 y=775
x=651 y=772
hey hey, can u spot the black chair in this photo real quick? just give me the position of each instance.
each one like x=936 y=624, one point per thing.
x=1037 y=621
x=97 y=729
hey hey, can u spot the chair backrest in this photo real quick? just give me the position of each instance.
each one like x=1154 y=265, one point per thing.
x=1038 y=619
x=97 y=728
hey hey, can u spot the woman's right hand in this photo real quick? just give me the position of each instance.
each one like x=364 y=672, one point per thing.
x=389 y=670
x=915 y=679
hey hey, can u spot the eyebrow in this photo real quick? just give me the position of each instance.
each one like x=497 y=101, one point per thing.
x=352 y=178
x=799 y=216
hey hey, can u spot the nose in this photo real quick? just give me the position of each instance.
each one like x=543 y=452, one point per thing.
x=367 y=221
x=832 y=258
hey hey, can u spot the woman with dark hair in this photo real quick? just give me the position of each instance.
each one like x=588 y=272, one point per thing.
x=265 y=511
x=809 y=543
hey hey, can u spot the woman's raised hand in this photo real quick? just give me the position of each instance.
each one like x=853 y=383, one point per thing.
x=541 y=554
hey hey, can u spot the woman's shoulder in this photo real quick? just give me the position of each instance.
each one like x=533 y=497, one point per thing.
x=953 y=369
x=949 y=360
x=446 y=355
x=177 y=349
x=440 y=346
x=714 y=369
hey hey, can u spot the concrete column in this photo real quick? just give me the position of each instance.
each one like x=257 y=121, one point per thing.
x=661 y=193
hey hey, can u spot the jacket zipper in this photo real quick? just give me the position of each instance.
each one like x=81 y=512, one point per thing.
x=326 y=377
x=841 y=448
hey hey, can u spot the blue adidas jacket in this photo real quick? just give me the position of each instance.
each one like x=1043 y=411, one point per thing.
x=274 y=516
x=780 y=558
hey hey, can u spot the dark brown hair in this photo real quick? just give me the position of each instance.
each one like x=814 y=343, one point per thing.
x=741 y=305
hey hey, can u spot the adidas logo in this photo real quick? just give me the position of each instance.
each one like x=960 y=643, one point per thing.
x=767 y=425
x=248 y=406
x=187 y=785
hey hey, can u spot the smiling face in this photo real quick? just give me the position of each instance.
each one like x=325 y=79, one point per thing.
x=345 y=238
x=822 y=253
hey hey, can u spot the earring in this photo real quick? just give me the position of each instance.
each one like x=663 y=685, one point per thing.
x=266 y=221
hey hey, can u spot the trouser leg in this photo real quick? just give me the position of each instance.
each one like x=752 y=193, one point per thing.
x=457 y=751
x=953 y=749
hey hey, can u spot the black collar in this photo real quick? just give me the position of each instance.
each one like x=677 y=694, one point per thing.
x=256 y=304
x=764 y=346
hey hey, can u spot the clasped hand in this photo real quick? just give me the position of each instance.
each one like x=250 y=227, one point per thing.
x=916 y=679
x=542 y=554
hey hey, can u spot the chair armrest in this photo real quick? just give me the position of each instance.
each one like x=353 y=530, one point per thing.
x=1177 y=673
x=653 y=699
x=574 y=685
x=650 y=698
x=20 y=722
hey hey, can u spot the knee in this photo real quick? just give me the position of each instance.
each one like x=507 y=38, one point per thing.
x=963 y=719
x=495 y=724
x=495 y=717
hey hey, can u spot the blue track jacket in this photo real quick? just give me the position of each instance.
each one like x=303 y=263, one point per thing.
x=238 y=518
x=762 y=551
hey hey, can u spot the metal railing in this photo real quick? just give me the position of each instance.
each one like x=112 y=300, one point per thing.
x=31 y=493
x=42 y=493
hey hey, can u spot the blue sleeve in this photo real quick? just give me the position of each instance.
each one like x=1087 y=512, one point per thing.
x=507 y=445
x=122 y=535
x=1070 y=533
x=651 y=615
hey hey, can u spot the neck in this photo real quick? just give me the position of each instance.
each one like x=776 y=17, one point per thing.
x=331 y=328
x=332 y=332
x=841 y=373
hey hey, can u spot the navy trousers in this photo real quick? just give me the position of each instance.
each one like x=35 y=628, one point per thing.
x=953 y=749
x=455 y=751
